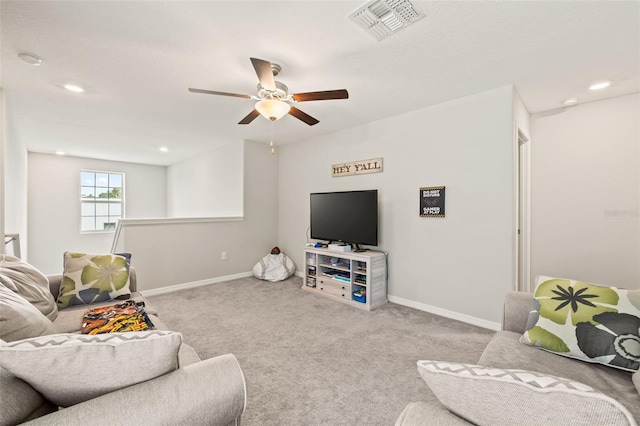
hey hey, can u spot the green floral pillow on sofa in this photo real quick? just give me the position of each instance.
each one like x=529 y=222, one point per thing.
x=586 y=321
x=93 y=278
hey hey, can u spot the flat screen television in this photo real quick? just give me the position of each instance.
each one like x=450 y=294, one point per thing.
x=349 y=216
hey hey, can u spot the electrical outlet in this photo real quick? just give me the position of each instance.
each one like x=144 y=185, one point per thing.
x=223 y=255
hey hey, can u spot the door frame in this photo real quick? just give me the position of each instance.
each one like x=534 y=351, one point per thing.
x=522 y=201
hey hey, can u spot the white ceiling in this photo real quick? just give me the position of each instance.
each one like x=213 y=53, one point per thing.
x=136 y=60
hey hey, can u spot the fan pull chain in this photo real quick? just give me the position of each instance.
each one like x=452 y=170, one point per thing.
x=273 y=150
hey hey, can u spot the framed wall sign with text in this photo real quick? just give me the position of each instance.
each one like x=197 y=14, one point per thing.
x=361 y=167
x=432 y=201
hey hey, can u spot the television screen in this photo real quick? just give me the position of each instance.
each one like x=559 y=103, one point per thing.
x=351 y=216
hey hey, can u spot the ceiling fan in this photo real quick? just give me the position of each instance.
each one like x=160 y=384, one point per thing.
x=273 y=97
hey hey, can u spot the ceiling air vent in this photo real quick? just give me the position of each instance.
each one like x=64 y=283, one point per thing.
x=381 y=18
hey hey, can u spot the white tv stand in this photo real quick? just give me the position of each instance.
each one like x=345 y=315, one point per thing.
x=338 y=275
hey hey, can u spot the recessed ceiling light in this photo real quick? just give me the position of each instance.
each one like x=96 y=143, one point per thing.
x=570 y=102
x=163 y=149
x=600 y=85
x=73 y=88
x=30 y=59
x=60 y=152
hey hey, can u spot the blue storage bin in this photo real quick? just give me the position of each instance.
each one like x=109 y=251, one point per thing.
x=360 y=298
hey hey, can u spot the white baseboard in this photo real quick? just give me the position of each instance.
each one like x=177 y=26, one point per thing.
x=299 y=274
x=193 y=284
x=496 y=326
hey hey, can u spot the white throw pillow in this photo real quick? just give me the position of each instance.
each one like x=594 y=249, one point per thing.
x=22 y=278
x=71 y=368
x=494 y=396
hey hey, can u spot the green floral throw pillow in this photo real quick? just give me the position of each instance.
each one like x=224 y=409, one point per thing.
x=586 y=321
x=93 y=278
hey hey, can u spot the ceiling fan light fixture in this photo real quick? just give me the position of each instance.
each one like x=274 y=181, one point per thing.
x=273 y=109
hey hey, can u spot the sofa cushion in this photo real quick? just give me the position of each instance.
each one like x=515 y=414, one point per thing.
x=586 y=321
x=20 y=402
x=70 y=368
x=187 y=356
x=19 y=319
x=22 y=278
x=636 y=380
x=91 y=278
x=491 y=396
x=505 y=351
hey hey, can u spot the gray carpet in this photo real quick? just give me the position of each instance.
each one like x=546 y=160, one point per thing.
x=311 y=361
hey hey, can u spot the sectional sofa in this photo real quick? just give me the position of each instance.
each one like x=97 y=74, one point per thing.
x=514 y=383
x=157 y=379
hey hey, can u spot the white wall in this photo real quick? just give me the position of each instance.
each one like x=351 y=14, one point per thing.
x=14 y=161
x=208 y=185
x=462 y=263
x=2 y=161
x=521 y=116
x=170 y=253
x=54 y=204
x=585 y=192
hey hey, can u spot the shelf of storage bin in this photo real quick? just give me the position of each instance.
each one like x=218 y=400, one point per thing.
x=337 y=268
x=357 y=297
x=311 y=271
x=358 y=281
x=365 y=270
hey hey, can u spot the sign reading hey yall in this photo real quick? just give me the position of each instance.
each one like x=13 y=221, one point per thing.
x=361 y=167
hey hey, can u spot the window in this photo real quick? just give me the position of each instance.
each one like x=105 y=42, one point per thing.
x=101 y=200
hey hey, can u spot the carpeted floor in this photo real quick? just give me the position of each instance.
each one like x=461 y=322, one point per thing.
x=311 y=361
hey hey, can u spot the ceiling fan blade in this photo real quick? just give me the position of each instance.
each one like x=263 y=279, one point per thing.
x=265 y=74
x=250 y=117
x=321 y=96
x=213 y=92
x=303 y=116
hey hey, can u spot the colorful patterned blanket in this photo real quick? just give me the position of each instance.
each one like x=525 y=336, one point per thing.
x=118 y=318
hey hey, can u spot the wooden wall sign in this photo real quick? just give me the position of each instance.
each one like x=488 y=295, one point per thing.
x=432 y=201
x=361 y=167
